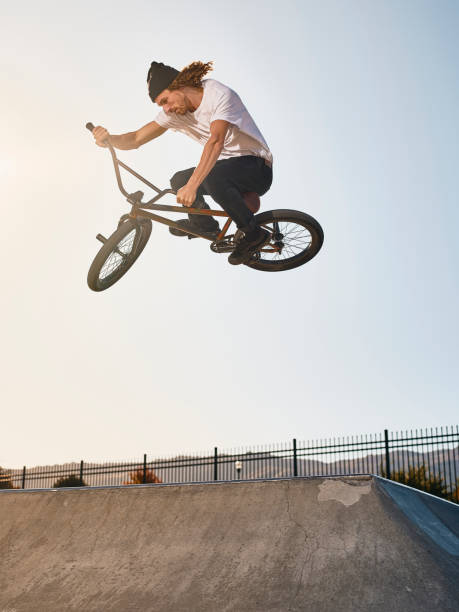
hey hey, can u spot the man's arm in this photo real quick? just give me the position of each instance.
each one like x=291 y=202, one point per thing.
x=211 y=152
x=131 y=140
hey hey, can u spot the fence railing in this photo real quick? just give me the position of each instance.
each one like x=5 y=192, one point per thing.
x=427 y=459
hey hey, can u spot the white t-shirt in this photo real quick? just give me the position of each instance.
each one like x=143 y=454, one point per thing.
x=220 y=102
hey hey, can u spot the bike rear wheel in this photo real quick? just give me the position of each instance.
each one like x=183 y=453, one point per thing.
x=296 y=239
x=118 y=253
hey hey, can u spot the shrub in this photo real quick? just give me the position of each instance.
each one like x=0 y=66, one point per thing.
x=137 y=477
x=69 y=481
x=5 y=480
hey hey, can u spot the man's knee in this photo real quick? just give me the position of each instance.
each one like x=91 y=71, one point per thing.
x=181 y=178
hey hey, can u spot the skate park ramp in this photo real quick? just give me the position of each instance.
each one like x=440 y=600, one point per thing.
x=316 y=544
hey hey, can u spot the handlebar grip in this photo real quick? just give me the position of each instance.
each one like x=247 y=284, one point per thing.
x=90 y=126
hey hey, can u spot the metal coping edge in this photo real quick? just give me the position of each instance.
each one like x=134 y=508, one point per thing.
x=185 y=484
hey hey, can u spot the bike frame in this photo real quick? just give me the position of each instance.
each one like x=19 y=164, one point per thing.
x=139 y=208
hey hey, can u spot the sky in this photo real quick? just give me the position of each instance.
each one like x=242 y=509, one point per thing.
x=358 y=103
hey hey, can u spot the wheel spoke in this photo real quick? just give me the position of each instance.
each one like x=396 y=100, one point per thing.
x=296 y=238
x=119 y=256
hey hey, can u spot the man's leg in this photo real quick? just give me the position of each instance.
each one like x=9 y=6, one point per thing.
x=232 y=177
x=198 y=222
x=226 y=183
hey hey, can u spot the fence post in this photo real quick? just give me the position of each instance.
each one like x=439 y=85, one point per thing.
x=215 y=463
x=386 y=444
x=81 y=472
x=23 y=476
x=144 y=479
x=295 y=459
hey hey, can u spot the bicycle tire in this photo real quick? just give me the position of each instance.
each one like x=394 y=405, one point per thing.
x=304 y=244
x=118 y=253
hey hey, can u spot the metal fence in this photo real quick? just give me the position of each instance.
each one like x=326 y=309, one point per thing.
x=427 y=459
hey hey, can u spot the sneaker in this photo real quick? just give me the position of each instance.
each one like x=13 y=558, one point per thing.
x=211 y=230
x=253 y=241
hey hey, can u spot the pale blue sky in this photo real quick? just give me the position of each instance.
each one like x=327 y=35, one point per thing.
x=358 y=102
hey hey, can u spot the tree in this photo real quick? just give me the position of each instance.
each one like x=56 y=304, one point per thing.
x=69 y=481
x=137 y=477
x=5 y=479
x=418 y=479
x=454 y=495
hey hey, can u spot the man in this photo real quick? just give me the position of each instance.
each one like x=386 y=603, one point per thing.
x=235 y=158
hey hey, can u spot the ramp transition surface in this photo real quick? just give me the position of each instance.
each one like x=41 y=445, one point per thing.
x=319 y=544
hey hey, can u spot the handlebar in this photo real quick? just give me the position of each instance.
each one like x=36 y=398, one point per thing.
x=116 y=162
x=90 y=126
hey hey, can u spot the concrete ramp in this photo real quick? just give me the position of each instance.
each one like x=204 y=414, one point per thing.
x=321 y=544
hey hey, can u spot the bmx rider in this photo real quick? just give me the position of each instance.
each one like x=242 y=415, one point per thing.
x=235 y=159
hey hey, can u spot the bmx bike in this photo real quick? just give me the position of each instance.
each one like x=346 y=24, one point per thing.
x=295 y=236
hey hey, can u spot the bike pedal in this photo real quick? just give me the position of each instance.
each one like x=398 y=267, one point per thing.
x=206 y=234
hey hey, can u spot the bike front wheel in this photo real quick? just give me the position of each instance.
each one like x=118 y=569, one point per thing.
x=118 y=253
x=295 y=239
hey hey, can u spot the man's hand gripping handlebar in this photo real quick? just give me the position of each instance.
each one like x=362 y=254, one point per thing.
x=101 y=136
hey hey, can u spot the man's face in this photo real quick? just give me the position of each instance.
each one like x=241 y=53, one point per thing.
x=172 y=102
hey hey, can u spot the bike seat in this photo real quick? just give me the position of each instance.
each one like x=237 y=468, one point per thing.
x=252 y=201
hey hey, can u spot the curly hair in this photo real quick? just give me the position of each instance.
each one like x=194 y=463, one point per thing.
x=191 y=75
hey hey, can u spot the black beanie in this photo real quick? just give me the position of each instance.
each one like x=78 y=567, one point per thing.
x=159 y=77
